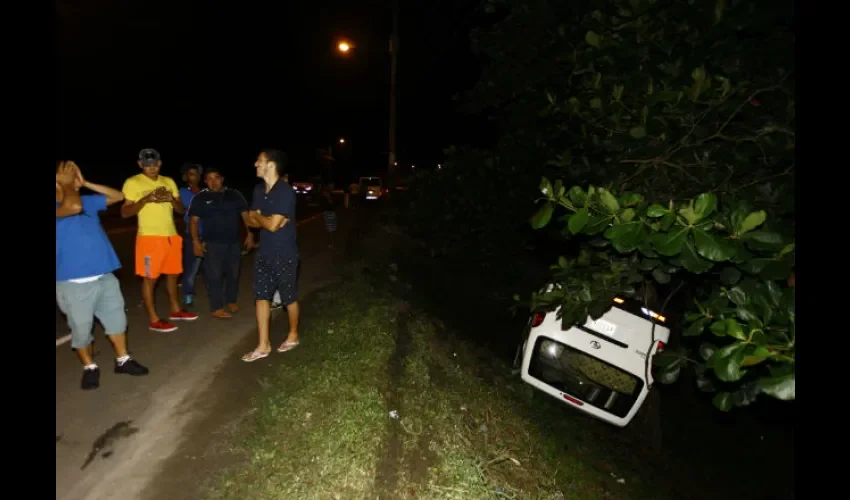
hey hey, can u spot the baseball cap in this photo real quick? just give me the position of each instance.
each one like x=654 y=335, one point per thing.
x=149 y=157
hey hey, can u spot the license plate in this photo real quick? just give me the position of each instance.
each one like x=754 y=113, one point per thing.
x=602 y=326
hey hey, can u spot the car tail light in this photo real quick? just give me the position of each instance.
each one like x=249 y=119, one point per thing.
x=537 y=319
x=661 y=346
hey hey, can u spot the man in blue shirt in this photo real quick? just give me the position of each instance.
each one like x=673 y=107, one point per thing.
x=219 y=209
x=191 y=174
x=85 y=286
x=276 y=262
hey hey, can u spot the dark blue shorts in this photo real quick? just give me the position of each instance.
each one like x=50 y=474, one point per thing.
x=275 y=273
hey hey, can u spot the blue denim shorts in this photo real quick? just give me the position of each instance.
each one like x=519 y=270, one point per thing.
x=83 y=302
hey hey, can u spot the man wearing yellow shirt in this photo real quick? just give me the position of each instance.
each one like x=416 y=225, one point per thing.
x=159 y=248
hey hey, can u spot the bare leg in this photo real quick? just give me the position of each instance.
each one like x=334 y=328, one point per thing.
x=119 y=343
x=264 y=315
x=171 y=287
x=147 y=295
x=293 y=312
x=85 y=355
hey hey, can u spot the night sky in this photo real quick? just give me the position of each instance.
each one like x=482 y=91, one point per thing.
x=214 y=83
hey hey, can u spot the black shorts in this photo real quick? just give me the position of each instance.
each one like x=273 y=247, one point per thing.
x=275 y=274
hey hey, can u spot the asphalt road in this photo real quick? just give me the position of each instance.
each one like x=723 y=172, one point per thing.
x=130 y=425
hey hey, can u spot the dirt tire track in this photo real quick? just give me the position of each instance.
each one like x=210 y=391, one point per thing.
x=392 y=450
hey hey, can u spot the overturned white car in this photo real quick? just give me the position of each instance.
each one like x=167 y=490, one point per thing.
x=600 y=367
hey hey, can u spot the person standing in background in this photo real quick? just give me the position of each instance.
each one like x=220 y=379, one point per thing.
x=219 y=209
x=329 y=213
x=191 y=174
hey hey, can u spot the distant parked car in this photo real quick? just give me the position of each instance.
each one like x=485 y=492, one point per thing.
x=371 y=188
x=302 y=188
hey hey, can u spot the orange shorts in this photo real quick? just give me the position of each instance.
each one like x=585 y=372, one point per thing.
x=157 y=255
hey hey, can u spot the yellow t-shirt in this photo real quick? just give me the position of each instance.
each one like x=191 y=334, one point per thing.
x=155 y=219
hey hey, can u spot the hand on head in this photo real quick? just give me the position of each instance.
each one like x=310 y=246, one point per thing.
x=68 y=176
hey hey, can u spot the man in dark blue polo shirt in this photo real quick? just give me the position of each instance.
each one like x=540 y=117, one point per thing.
x=276 y=262
x=219 y=209
x=85 y=286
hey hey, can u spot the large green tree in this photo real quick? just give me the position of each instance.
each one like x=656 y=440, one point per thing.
x=682 y=113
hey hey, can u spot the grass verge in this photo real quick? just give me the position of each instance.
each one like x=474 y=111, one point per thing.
x=322 y=425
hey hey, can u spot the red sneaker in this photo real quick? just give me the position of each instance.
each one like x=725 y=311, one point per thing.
x=162 y=326
x=182 y=316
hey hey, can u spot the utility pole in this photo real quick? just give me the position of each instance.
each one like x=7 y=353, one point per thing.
x=391 y=170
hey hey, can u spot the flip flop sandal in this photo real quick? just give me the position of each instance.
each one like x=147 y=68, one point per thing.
x=254 y=356
x=287 y=346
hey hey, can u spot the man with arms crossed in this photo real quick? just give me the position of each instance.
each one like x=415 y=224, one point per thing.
x=276 y=262
x=219 y=209
x=159 y=249
x=85 y=286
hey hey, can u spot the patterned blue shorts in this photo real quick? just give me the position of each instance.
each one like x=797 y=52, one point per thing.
x=274 y=273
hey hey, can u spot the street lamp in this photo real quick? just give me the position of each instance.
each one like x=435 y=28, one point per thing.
x=342 y=140
x=344 y=47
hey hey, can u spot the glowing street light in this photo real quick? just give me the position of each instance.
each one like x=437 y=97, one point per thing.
x=344 y=47
x=342 y=140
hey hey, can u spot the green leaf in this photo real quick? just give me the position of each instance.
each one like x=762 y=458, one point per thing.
x=670 y=244
x=631 y=199
x=706 y=350
x=608 y=201
x=733 y=329
x=755 y=355
x=596 y=103
x=697 y=327
x=751 y=221
x=727 y=362
x=710 y=246
x=730 y=275
x=578 y=196
x=722 y=401
x=626 y=237
x=718 y=328
x=764 y=241
x=542 y=217
x=779 y=270
x=705 y=384
x=689 y=214
x=737 y=295
x=627 y=215
x=660 y=276
x=648 y=264
x=748 y=314
x=578 y=220
x=597 y=224
x=705 y=204
x=788 y=249
x=592 y=39
x=693 y=262
x=545 y=187
x=638 y=132
x=656 y=210
x=670 y=375
x=782 y=387
x=667 y=221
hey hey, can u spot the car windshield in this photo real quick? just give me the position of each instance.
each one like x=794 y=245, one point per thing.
x=583 y=376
